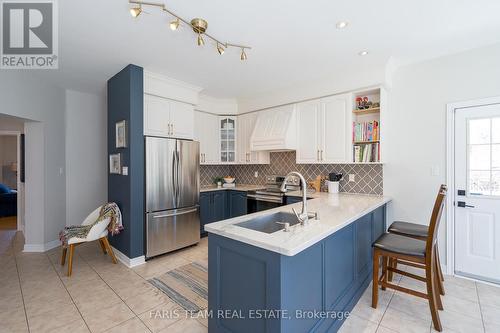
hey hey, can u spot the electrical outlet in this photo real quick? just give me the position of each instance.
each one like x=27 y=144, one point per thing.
x=125 y=171
x=256 y=174
x=352 y=177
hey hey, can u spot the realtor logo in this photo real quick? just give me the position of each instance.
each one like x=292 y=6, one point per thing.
x=29 y=34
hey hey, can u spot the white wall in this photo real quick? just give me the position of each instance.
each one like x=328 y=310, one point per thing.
x=416 y=124
x=86 y=150
x=310 y=90
x=217 y=105
x=24 y=96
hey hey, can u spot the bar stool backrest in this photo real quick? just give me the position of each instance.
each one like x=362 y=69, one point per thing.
x=437 y=212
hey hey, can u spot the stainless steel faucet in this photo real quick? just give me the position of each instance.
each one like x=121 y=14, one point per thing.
x=303 y=217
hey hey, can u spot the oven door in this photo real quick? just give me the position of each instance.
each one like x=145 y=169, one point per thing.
x=259 y=202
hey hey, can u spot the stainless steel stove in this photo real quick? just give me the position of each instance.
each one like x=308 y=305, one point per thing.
x=270 y=196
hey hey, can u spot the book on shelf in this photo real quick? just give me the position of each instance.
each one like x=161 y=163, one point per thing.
x=367 y=153
x=365 y=131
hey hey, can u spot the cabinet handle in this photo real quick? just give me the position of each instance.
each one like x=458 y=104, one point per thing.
x=317 y=157
x=322 y=155
x=204 y=158
x=172 y=129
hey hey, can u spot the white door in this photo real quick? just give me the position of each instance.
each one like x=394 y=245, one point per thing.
x=308 y=114
x=477 y=199
x=334 y=129
x=181 y=120
x=156 y=116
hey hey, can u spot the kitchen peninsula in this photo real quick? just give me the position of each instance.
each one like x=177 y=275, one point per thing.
x=297 y=281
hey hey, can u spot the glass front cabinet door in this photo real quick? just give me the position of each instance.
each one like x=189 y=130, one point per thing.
x=227 y=139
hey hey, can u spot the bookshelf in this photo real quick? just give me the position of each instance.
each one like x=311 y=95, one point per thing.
x=366 y=126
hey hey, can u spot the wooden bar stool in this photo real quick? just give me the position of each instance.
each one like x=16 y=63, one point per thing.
x=414 y=252
x=417 y=231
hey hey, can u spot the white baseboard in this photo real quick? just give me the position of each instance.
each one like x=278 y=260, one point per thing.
x=41 y=247
x=137 y=261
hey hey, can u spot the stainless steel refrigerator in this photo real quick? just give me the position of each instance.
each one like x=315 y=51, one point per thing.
x=172 y=195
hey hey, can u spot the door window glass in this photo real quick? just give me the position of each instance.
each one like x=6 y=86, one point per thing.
x=483 y=162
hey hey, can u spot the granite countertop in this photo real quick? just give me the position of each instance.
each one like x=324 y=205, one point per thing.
x=335 y=211
x=238 y=187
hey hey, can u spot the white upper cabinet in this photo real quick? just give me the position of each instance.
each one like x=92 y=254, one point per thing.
x=322 y=130
x=156 y=116
x=308 y=123
x=227 y=130
x=246 y=125
x=182 y=120
x=206 y=129
x=167 y=118
x=334 y=134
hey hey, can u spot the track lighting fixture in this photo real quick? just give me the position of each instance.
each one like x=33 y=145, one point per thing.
x=198 y=25
x=201 y=42
x=243 y=56
x=220 y=49
x=136 y=11
x=174 y=24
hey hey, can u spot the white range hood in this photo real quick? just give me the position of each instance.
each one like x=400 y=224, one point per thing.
x=275 y=130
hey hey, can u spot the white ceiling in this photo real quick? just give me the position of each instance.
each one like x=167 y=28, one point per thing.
x=293 y=41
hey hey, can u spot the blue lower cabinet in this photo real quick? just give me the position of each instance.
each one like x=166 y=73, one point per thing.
x=219 y=202
x=237 y=203
x=213 y=208
x=206 y=215
x=255 y=290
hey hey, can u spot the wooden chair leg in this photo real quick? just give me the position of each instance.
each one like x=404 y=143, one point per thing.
x=431 y=292
x=70 y=259
x=103 y=247
x=439 y=273
x=384 y=270
x=109 y=249
x=438 y=262
x=376 y=264
x=63 y=256
x=390 y=274
x=437 y=290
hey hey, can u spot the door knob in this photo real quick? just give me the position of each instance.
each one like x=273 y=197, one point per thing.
x=464 y=205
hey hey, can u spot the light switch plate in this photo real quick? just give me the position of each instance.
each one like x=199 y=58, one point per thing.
x=125 y=171
x=435 y=170
x=352 y=177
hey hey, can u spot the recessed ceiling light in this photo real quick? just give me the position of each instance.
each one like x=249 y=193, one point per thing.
x=363 y=53
x=342 y=24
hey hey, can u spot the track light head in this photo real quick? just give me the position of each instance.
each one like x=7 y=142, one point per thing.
x=201 y=42
x=174 y=24
x=243 y=56
x=220 y=49
x=136 y=11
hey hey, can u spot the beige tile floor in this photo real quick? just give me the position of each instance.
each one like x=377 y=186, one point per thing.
x=37 y=296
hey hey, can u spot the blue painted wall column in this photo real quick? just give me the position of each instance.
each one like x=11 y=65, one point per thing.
x=126 y=102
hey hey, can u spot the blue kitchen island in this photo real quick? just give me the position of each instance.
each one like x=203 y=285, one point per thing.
x=304 y=280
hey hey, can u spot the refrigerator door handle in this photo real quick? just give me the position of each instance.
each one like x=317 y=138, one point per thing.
x=178 y=168
x=176 y=213
x=174 y=180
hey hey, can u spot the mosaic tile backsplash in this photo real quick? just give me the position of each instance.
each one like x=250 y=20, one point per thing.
x=368 y=176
